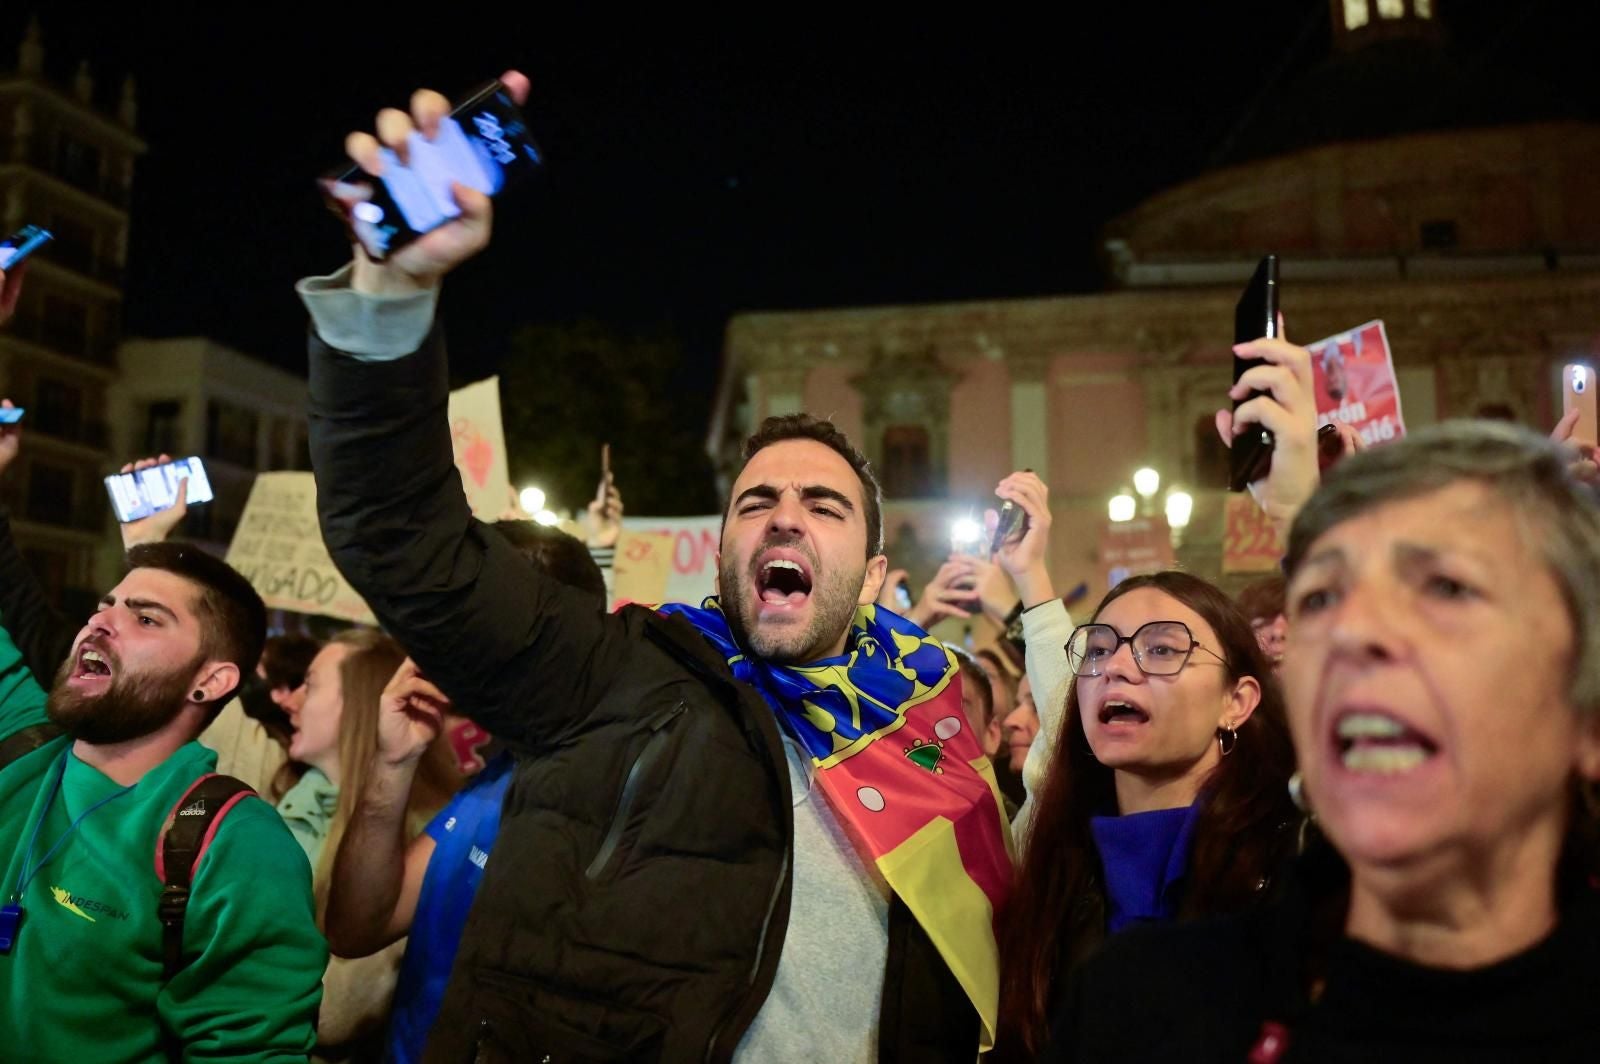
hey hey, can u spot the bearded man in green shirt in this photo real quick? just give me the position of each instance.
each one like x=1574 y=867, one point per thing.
x=91 y=778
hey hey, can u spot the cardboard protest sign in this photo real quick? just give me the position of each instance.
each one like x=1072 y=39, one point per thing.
x=692 y=556
x=278 y=548
x=642 y=568
x=1355 y=383
x=1249 y=542
x=479 y=442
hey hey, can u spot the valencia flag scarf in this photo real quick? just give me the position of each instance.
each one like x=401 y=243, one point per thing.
x=901 y=767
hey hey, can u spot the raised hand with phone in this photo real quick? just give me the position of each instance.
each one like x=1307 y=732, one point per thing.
x=423 y=262
x=1275 y=409
x=1579 y=427
x=605 y=510
x=1023 y=553
x=156 y=527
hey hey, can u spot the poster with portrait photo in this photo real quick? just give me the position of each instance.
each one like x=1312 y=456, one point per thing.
x=1355 y=383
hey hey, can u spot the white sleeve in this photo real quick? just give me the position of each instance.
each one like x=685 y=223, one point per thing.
x=1045 y=630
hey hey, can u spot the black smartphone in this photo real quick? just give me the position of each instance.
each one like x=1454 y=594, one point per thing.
x=1255 y=316
x=151 y=490
x=483 y=144
x=22 y=243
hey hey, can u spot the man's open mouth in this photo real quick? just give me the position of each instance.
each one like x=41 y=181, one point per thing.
x=93 y=663
x=783 y=582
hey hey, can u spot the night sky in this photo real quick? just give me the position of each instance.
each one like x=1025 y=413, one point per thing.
x=783 y=161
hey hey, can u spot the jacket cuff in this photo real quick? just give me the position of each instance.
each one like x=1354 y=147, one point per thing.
x=371 y=328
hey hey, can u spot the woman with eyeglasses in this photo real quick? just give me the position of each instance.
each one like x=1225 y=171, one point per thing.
x=1167 y=798
x=1443 y=687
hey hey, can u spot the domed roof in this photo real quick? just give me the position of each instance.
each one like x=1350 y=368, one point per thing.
x=1387 y=88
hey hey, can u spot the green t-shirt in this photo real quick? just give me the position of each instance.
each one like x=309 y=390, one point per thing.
x=84 y=979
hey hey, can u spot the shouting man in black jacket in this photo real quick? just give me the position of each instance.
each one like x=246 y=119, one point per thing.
x=751 y=830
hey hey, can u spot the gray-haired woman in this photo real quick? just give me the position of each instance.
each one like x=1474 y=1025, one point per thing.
x=1443 y=680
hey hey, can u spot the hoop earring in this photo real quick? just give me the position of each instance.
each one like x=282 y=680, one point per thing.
x=1227 y=739
x=1297 y=795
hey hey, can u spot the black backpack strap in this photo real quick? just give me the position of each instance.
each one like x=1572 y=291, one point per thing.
x=26 y=741
x=190 y=828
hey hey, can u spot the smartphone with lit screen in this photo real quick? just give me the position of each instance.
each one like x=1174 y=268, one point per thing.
x=24 y=242
x=1577 y=393
x=483 y=144
x=148 y=491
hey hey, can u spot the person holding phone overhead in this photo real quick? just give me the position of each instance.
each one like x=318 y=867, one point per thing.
x=724 y=841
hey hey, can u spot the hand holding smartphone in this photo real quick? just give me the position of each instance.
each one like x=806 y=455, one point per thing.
x=1578 y=393
x=483 y=144
x=15 y=249
x=1255 y=316
x=137 y=495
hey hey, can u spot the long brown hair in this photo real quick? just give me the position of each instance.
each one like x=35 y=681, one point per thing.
x=363 y=674
x=1057 y=911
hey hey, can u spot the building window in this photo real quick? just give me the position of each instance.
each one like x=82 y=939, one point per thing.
x=907 y=463
x=1211 y=457
x=74 y=244
x=1391 y=8
x=1355 y=14
x=1438 y=235
x=50 y=567
x=1424 y=8
x=57 y=409
x=1496 y=412
x=231 y=434
x=66 y=325
x=161 y=427
x=77 y=163
x=50 y=490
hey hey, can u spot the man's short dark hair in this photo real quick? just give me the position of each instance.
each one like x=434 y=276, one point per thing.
x=562 y=556
x=233 y=620
x=805 y=427
x=285 y=659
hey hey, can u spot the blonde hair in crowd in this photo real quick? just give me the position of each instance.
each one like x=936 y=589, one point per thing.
x=365 y=671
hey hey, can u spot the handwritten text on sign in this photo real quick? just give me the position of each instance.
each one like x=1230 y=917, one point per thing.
x=693 y=549
x=278 y=548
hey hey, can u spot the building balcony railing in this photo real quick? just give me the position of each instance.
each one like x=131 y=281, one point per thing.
x=64 y=337
x=95 y=434
x=83 y=260
x=61 y=513
x=82 y=177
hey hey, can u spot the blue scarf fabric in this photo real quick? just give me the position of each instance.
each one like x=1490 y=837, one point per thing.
x=1145 y=857
x=837 y=705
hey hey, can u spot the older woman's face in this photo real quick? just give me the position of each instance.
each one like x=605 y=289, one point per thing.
x=1426 y=675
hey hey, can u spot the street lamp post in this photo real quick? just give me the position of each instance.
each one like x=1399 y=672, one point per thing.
x=1178 y=505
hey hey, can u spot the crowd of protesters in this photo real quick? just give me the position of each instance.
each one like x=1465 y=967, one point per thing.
x=1353 y=814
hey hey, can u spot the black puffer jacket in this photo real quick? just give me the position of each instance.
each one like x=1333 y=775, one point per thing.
x=638 y=898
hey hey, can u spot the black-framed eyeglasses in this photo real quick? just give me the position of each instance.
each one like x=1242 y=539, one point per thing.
x=1160 y=648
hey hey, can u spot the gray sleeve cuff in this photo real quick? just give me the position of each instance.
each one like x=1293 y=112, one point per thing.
x=371 y=328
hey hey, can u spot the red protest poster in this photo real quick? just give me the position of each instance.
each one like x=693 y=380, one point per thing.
x=1129 y=548
x=1355 y=383
x=1249 y=542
